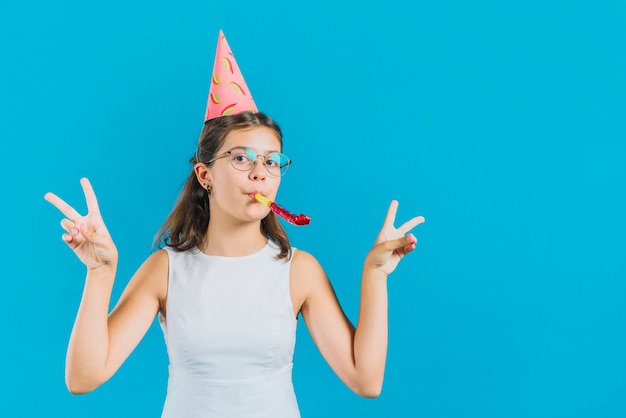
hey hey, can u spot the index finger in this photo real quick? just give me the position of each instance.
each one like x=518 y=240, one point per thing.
x=67 y=210
x=90 y=196
x=410 y=224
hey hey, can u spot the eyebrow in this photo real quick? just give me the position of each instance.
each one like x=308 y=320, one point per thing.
x=241 y=146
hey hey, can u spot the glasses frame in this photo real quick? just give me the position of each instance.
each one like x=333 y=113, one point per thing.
x=230 y=152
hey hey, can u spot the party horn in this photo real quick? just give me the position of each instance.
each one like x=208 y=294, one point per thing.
x=282 y=212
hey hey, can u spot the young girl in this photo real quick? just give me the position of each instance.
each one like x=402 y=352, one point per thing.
x=228 y=288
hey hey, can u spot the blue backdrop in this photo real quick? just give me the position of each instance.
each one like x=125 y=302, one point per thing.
x=501 y=122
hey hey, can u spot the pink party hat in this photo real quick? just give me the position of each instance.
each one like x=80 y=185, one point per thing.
x=229 y=93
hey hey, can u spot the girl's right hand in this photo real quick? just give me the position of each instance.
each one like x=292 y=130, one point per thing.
x=86 y=235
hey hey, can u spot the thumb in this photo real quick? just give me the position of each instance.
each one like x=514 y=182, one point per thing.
x=90 y=232
x=401 y=242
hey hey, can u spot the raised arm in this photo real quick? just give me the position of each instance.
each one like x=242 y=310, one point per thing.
x=100 y=342
x=357 y=356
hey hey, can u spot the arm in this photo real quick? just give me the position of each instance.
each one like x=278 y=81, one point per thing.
x=357 y=356
x=100 y=342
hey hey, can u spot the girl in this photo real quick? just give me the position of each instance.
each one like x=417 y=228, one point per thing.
x=227 y=288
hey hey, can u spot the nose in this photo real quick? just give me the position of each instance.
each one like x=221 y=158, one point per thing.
x=258 y=171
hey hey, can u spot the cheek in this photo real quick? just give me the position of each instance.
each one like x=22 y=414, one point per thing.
x=274 y=187
x=226 y=183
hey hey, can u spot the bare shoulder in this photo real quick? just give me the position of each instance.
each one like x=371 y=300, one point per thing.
x=155 y=267
x=305 y=272
x=159 y=260
x=308 y=279
x=151 y=277
x=304 y=266
x=158 y=271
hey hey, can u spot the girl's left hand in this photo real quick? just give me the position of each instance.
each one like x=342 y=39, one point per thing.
x=391 y=243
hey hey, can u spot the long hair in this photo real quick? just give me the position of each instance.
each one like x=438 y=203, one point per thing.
x=186 y=226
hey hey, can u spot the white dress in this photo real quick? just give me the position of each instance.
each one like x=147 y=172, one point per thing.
x=230 y=333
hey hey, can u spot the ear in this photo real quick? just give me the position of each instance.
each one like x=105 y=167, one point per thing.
x=203 y=175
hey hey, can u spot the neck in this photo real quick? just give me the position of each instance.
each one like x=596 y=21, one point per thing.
x=229 y=240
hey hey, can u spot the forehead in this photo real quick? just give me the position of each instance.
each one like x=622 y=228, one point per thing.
x=261 y=139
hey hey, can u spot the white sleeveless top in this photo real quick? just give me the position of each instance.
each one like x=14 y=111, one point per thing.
x=230 y=333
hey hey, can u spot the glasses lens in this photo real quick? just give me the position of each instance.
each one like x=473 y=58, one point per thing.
x=241 y=160
x=277 y=163
x=251 y=154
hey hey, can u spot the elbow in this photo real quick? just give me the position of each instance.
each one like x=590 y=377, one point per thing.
x=371 y=393
x=370 y=389
x=79 y=388
x=80 y=385
x=367 y=383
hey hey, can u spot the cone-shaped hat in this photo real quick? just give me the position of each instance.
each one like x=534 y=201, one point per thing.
x=229 y=93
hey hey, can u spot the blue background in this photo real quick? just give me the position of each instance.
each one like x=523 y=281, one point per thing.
x=501 y=122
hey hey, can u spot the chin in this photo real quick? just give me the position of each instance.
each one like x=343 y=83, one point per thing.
x=257 y=215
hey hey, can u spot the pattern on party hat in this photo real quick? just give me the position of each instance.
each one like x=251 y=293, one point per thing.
x=229 y=93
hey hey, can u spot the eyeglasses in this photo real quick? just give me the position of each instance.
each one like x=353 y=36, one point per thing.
x=244 y=159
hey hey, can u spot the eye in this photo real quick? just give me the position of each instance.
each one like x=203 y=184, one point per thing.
x=276 y=159
x=251 y=154
x=241 y=158
x=272 y=161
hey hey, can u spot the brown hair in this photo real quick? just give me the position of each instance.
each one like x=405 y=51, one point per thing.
x=185 y=227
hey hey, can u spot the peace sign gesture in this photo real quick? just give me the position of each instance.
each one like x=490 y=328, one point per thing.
x=391 y=243
x=86 y=235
